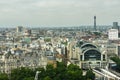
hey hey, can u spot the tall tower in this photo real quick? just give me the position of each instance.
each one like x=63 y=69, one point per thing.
x=95 y=23
x=115 y=25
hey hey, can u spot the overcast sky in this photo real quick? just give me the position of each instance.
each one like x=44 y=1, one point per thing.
x=59 y=12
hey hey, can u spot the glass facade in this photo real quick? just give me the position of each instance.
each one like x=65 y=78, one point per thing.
x=92 y=55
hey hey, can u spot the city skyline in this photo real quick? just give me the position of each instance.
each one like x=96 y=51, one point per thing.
x=59 y=12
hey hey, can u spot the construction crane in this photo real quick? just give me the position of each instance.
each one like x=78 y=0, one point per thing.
x=36 y=75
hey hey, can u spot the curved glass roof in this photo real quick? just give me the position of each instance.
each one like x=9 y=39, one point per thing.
x=92 y=49
x=92 y=54
x=88 y=45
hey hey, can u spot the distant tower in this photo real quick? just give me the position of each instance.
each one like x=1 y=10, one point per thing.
x=95 y=23
x=20 y=29
x=115 y=25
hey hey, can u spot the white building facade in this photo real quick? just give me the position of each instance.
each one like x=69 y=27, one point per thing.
x=113 y=34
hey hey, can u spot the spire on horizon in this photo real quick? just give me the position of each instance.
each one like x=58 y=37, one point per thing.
x=95 y=23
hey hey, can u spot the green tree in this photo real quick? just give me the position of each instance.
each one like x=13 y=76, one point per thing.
x=97 y=33
x=50 y=71
x=42 y=73
x=21 y=73
x=47 y=78
x=60 y=71
x=47 y=39
x=117 y=61
x=3 y=76
x=74 y=72
x=29 y=78
x=90 y=75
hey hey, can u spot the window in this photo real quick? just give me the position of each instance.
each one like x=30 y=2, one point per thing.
x=103 y=57
x=81 y=57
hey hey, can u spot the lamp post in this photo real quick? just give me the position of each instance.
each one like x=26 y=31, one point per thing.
x=36 y=75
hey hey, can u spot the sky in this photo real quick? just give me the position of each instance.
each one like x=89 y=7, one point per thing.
x=58 y=12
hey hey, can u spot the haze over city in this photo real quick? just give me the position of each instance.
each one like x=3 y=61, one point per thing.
x=58 y=12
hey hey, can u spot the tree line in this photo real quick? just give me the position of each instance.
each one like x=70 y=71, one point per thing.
x=117 y=61
x=58 y=72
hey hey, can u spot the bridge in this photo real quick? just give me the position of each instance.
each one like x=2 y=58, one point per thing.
x=107 y=75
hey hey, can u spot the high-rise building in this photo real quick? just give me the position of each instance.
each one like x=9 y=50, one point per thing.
x=115 y=25
x=95 y=23
x=20 y=29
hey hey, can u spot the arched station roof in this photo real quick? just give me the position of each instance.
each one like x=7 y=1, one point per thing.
x=92 y=54
x=88 y=45
x=91 y=49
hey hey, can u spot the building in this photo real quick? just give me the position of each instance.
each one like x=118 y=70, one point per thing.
x=111 y=49
x=87 y=55
x=113 y=34
x=20 y=29
x=118 y=50
x=95 y=23
x=91 y=56
x=115 y=25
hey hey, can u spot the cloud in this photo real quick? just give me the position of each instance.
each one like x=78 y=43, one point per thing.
x=58 y=11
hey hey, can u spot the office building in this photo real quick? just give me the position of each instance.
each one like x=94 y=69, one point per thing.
x=115 y=25
x=113 y=34
x=20 y=29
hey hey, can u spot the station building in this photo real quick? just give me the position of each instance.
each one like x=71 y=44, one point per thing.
x=88 y=55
